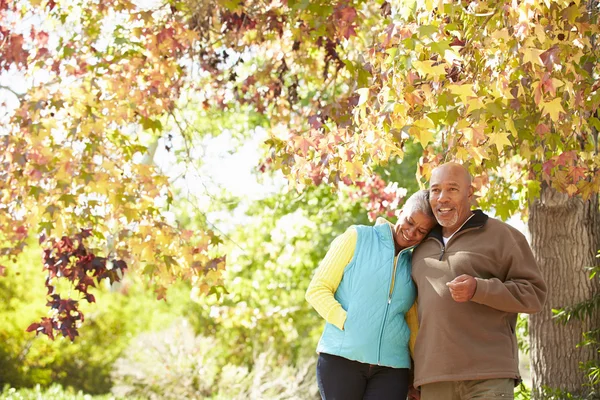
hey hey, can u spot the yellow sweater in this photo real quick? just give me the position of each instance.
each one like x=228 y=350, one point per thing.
x=327 y=278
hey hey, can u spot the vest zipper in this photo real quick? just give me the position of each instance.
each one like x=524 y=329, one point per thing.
x=393 y=280
x=387 y=306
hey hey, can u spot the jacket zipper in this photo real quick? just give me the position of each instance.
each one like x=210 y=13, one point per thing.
x=453 y=236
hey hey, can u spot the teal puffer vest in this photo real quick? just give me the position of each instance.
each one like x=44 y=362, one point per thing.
x=375 y=331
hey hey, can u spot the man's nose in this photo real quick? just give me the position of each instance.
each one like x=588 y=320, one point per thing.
x=443 y=197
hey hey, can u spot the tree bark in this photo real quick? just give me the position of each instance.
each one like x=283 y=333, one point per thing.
x=565 y=238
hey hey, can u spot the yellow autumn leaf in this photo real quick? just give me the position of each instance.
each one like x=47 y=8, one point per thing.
x=425 y=123
x=478 y=153
x=571 y=189
x=532 y=55
x=552 y=108
x=499 y=139
x=474 y=103
x=462 y=91
x=462 y=154
x=422 y=132
x=510 y=125
x=501 y=34
x=427 y=68
x=353 y=169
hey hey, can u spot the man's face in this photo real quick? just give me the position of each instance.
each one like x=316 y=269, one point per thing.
x=450 y=197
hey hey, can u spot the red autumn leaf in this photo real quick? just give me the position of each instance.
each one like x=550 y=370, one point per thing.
x=42 y=38
x=566 y=158
x=15 y=53
x=542 y=129
x=315 y=121
x=547 y=167
x=33 y=327
x=550 y=57
x=577 y=173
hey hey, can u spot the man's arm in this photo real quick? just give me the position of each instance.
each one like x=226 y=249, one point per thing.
x=327 y=278
x=524 y=290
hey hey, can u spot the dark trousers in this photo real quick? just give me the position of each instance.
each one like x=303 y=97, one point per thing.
x=342 y=379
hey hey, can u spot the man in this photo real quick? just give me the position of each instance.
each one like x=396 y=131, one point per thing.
x=473 y=274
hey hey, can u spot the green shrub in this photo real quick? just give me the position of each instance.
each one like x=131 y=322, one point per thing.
x=54 y=392
x=172 y=364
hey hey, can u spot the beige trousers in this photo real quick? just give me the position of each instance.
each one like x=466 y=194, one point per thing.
x=487 y=389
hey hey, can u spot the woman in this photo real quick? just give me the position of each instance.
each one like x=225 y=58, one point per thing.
x=363 y=289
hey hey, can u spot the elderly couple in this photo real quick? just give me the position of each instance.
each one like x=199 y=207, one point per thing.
x=472 y=275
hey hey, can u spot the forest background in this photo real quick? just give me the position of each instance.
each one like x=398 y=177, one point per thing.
x=129 y=269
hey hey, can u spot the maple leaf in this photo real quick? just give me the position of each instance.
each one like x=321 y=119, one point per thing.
x=500 y=139
x=462 y=91
x=571 y=189
x=542 y=129
x=161 y=293
x=532 y=55
x=428 y=68
x=547 y=168
x=303 y=144
x=14 y=52
x=422 y=131
x=315 y=121
x=550 y=57
x=577 y=173
x=552 y=108
x=566 y=158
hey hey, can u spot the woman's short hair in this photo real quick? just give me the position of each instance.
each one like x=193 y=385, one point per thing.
x=418 y=201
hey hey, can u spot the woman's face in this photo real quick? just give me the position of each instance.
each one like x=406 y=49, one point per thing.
x=412 y=228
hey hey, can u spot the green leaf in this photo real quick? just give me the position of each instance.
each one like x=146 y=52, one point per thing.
x=440 y=47
x=427 y=30
x=151 y=124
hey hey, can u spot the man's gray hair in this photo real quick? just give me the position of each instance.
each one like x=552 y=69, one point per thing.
x=418 y=201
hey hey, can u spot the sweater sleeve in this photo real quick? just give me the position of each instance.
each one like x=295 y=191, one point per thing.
x=523 y=291
x=412 y=320
x=327 y=278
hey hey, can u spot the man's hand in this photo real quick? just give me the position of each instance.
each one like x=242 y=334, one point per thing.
x=462 y=288
x=413 y=394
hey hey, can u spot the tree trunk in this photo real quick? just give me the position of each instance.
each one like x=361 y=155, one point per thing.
x=565 y=239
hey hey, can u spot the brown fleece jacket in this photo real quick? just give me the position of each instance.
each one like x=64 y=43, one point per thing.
x=475 y=339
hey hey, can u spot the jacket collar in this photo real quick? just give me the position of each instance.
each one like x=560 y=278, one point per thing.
x=478 y=220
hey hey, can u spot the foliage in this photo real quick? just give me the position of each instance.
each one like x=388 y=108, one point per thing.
x=268 y=380
x=284 y=238
x=522 y=331
x=70 y=259
x=85 y=365
x=172 y=364
x=100 y=77
x=54 y=392
x=491 y=84
x=175 y=364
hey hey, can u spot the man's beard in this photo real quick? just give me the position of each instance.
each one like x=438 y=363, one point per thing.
x=448 y=222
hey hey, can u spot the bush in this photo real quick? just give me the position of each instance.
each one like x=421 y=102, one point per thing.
x=54 y=392
x=172 y=364
x=177 y=364
x=119 y=315
x=267 y=380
